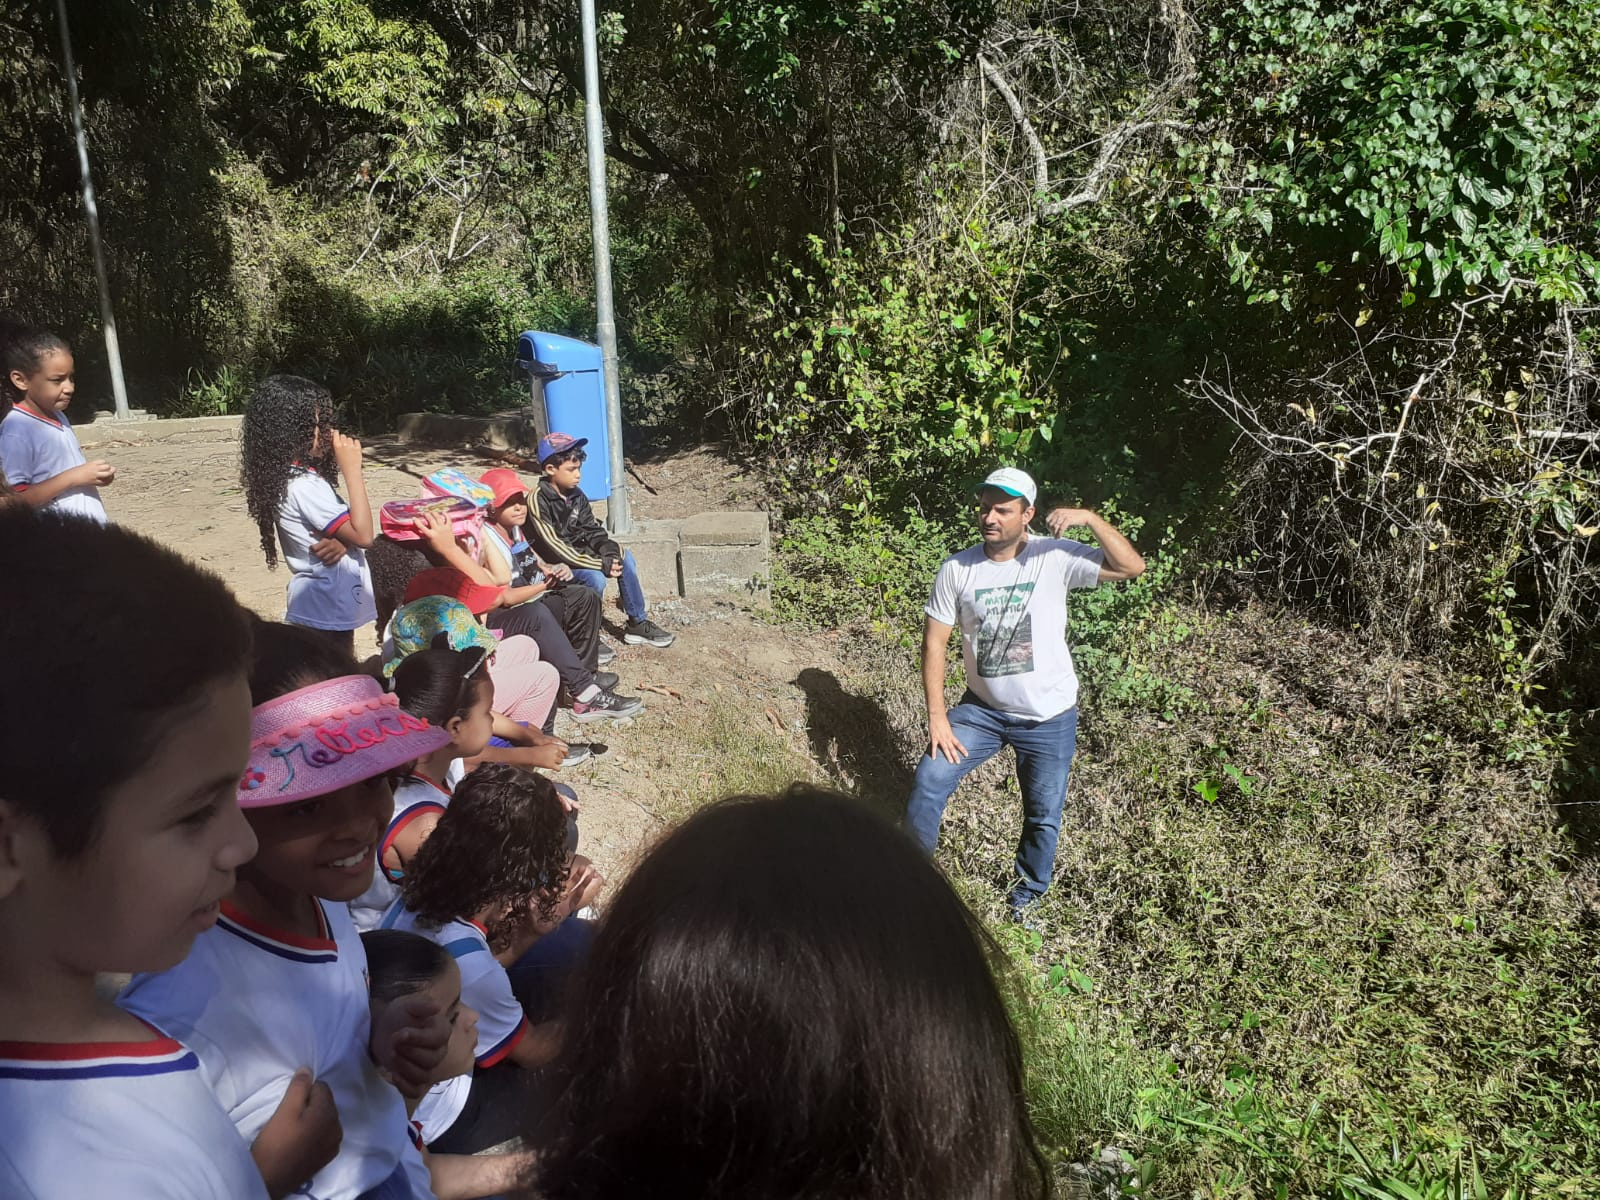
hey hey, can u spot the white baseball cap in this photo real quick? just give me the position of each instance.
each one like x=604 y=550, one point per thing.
x=1014 y=483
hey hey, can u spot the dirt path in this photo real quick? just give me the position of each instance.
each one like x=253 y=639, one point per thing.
x=726 y=665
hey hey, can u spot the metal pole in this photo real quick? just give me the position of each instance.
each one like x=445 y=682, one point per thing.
x=91 y=212
x=618 y=519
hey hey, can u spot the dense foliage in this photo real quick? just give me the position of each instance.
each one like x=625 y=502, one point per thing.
x=1308 y=290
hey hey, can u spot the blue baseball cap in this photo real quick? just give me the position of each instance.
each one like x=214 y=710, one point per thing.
x=553 y=444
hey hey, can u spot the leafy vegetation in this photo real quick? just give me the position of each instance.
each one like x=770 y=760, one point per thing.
x=1302 y=294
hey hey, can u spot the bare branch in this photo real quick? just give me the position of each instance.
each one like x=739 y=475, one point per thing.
x=1041 y=166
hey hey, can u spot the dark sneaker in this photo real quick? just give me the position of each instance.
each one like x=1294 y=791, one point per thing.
x=647 y=633
x=607 y=654
x=607 y=706
x=1028 y=914
x=606 y=680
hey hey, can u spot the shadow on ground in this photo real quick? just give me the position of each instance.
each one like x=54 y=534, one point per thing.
x=852 y=739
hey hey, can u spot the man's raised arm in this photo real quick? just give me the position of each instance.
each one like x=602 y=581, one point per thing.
x=1121 y=560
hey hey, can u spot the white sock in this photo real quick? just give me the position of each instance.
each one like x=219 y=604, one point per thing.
x=588 y=693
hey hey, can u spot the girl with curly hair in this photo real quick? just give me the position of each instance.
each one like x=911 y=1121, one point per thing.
x=290 y=461
x=496 y=875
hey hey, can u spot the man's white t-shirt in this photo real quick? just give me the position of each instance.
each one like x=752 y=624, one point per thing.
x=134 y=1120
x=256 y=1004
x=35 y=448
x=337 y=597
x=1013 y=621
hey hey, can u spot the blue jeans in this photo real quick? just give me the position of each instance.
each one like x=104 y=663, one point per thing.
x=1044 y=758
x=627 y=583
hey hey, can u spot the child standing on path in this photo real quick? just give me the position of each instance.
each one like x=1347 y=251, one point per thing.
x=39 y=453
x=290 y=458
x=565 y=529
x=120 y=834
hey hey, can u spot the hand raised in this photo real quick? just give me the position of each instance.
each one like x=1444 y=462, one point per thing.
x=409 y=1040
x=1061 y=519
x=346 y=449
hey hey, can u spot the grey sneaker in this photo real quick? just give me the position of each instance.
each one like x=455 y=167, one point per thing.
x=577 y=752
x=607 y=654
x=607 y=706
x=606 y=680
x=647 y=633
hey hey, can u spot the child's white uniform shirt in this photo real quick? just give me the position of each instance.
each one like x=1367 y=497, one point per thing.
x=35 y=448
x=337 y=597
x=256 y=1005
x=124 y=1119
x=486 y=989
x=415 y=797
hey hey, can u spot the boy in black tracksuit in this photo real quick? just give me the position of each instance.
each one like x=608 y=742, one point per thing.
x=564 y=529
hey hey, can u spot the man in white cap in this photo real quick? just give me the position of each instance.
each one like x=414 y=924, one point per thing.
x=1009 y=596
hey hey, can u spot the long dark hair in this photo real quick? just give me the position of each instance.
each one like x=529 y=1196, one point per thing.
x=502 y=843
x=786 y=1000
x=286 y=416
x=22 y=348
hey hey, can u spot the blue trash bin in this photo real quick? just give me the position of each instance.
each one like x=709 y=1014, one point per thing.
x=574 y=398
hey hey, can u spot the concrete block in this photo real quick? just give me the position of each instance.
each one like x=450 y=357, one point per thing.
x=107 y=428
x=726 y=571
x=726 y=529
x=502 y=432
x=655 y=549
x=726 y=554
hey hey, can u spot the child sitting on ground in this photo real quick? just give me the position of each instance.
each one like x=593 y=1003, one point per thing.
x=403 y=965
x=451 y=690
x=591 y=700
x=120 y=833
x=496 y=877
x=280 y=982
x=290 y=459
x=511 y=562
x=565 y=530
x=39 y=453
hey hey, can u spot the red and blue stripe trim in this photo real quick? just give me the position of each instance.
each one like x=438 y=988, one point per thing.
x=95 y=1060
x=292 y=946
x=497 y=1053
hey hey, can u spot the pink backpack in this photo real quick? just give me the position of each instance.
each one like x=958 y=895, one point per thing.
x=398 y=519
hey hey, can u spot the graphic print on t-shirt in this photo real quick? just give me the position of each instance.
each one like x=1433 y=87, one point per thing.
x=1005 y=639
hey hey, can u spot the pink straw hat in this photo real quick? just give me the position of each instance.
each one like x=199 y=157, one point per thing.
x=327 y=736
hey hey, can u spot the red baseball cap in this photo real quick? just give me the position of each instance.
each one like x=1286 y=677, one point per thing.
x=506 y=484
x=447 y=581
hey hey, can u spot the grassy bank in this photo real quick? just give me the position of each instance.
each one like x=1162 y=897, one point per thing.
x=1314 y=929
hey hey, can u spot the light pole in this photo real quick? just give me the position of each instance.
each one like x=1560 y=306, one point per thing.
x=91 y=212
x=619 y=520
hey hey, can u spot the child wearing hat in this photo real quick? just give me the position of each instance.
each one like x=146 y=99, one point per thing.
x=279 y=984
x=591 y=698
x=564 y=528
x=119 y=836
x=512 y=562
